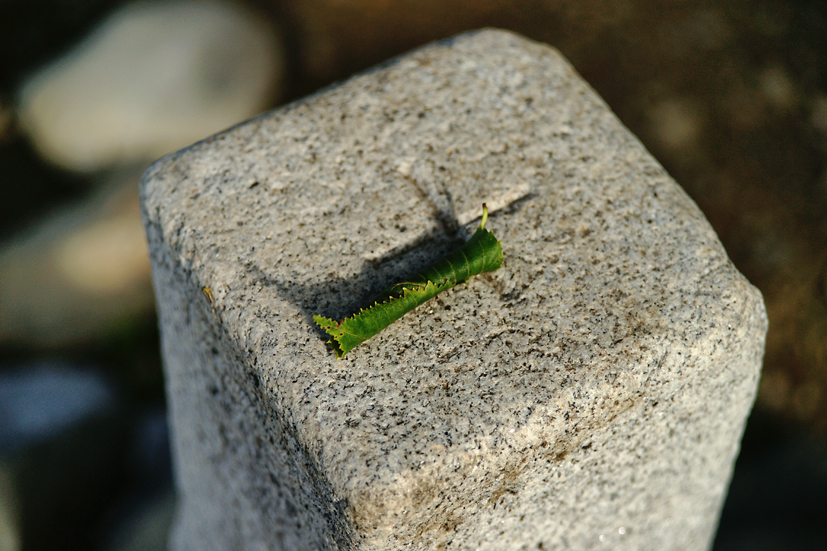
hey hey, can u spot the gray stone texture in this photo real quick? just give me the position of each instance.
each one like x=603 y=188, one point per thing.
x=591 y=394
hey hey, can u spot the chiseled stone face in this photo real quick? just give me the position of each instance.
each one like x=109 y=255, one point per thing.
x=590 y=394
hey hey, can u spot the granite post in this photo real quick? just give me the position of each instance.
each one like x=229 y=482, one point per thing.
x=590 y=394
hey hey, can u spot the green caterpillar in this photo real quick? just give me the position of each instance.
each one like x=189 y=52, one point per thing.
x=481 y=253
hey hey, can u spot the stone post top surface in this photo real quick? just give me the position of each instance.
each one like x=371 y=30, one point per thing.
x=613 y=281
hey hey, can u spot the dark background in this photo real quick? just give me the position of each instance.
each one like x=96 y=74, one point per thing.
x=729 y=95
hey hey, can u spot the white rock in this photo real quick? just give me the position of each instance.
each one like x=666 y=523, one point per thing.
x=43 y=400
x=154 y=77
x=79 y=273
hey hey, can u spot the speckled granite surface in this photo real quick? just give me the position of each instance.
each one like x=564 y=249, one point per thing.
x=590 y=394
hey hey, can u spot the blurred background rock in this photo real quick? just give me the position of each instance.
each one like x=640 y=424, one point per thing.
x=729 y=95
